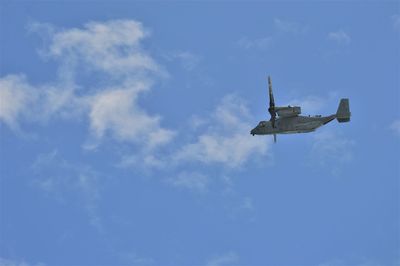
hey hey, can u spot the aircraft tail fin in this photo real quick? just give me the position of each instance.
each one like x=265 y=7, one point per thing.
x=343 y=113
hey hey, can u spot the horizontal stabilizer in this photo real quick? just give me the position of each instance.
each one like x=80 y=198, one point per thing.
x=343 y=113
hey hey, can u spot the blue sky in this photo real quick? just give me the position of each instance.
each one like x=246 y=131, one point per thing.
x=125 y=133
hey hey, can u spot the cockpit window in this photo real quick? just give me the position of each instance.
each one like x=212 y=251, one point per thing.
x=262 y=124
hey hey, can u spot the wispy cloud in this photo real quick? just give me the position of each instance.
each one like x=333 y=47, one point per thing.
x=114 y=48
x=340 y=37
x=15 y=94
x=65 y=181
x=332 y=149
x=230 y=258
x=132 y=258
x=13 y=262
x=143 y=160
x=116 y=111
x=309 y=105
x=190 y=180
x=355 y=262
x=247 y=204
x=260 y=43
x=396 y=22
x=316 y=104
x=289 y=26
x=222 y=140
x=111 y=49
x=21 y=102
x=188 y=60
x=240 y=207
x=265 y=42
x=395 y=127
x=226 y=140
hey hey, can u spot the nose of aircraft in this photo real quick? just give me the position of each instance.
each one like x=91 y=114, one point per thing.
x=253 y=131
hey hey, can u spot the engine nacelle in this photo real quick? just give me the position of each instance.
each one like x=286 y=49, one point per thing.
x=288 y=111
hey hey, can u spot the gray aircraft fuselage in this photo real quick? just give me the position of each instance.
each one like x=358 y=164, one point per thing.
x=287 y=119
x=293 y=124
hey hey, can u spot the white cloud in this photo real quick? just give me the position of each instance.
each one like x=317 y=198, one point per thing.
x=190 y=180
x=261 y=43
x=63 y=180
x=132 y=258
x=266 y=42
x=112 y=48
x=331 y=148
x=116 y=111
x=247 y=204
x=357 y=262
x=309 y=104
x=229 y=258
x=15 y=95
x=221 y=138
x=289 y=26
x=143 y=160
x=315 y=104
x=21 y=101
x=396 y=21
x=227 y=139
x=9 y=262
x=330 y=145
x=188 y=60
x=395 y=126
x=197 y=122
x=340 y=37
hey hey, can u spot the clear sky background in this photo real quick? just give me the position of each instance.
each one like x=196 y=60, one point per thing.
x=124 y=133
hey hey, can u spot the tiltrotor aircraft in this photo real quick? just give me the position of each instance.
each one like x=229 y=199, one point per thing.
x=290 y=121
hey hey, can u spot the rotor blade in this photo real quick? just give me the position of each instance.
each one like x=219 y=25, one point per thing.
x=271 y=108
x=272 y=121
x=271 y=95
x=274 y=138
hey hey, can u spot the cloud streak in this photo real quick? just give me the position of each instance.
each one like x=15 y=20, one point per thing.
x=261 y=43
x=122 y=70
x=15 y=96
x=21 y=101
x=62 y=179
x=396 y=22
x=229 y=258
x=332 y=149
x=340 y=37
x=289 y=26
x=116 y=111
x=111 y=48
x=10 y=262
x=395 y=127
x=226 y=139
x=309 y=104
x=190 y=180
